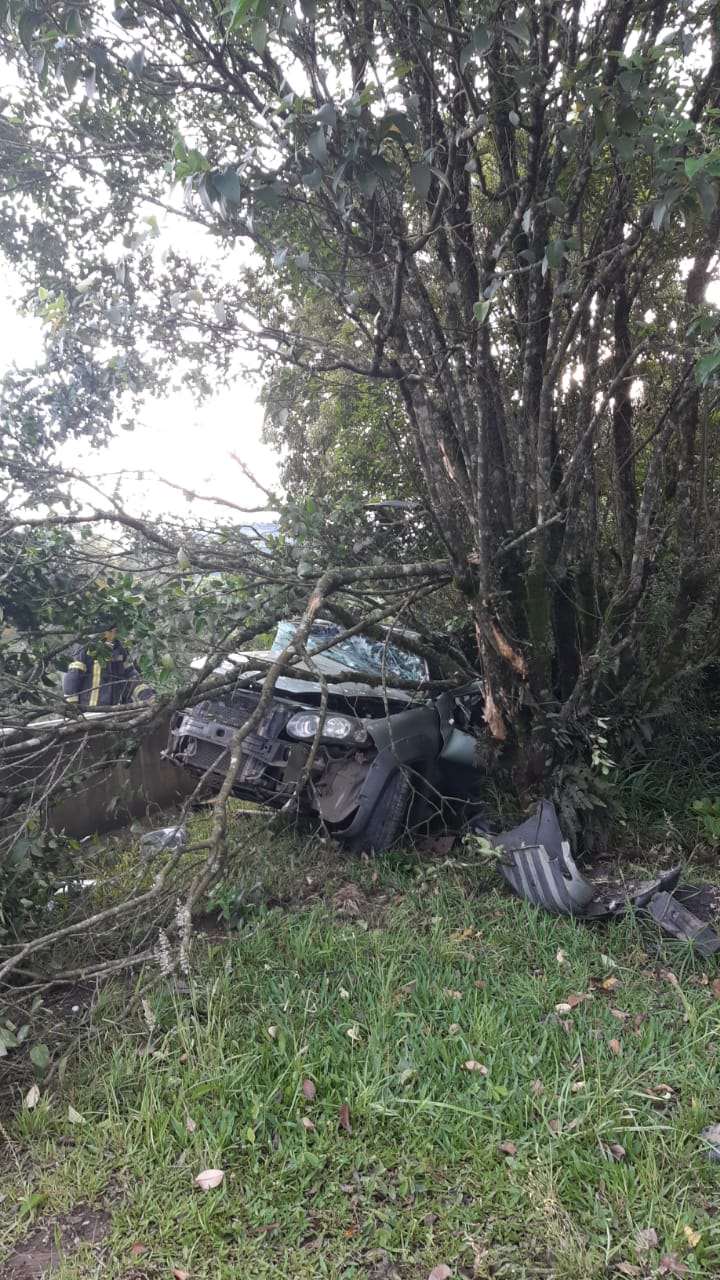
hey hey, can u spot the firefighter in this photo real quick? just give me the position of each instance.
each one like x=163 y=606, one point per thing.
x=95 y=684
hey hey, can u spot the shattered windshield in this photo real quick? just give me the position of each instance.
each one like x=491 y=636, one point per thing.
x=357 y=653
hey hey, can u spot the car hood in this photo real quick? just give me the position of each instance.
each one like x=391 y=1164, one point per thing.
x=321 y=663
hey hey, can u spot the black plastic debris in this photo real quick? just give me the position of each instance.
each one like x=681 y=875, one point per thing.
x=679 y=921
x=539 y=867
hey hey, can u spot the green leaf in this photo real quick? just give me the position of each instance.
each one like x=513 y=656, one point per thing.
x=520 y=30
x=659 y=214
x=302 y=260
x=227 y=184
x=312 y=180
x=98 y=54
x=74 y=23
x=327 y=114
x=694 y=164
x=708 y=199
x=317 y=145
x=481 y=310
x=556 y=207
x=259 y=34
x=480 y=42
x=40 y=1056
x=421 y=178
x=240 y=9
x=26 y=27
x=396 y=122
x=466 y=54
x=628 y=120
x=707 y=368
x=624 y=145
x=7 y=1040
x=71 y=73
x=555 y=252
x=381 y=167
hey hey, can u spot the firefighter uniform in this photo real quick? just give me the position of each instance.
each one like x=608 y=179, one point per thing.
x=99 y=685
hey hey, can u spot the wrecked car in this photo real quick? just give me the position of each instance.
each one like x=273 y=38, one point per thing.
x=385 y=752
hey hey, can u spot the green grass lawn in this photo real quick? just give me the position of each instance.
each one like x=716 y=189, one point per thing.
x=319 y=1058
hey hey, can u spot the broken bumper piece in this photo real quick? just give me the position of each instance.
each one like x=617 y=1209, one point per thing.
x=539 y=867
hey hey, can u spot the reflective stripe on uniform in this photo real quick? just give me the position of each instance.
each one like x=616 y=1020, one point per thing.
x=140 y=689
x=95 y=688
x=77 y=666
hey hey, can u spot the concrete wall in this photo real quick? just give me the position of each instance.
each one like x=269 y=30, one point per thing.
x=132 y=780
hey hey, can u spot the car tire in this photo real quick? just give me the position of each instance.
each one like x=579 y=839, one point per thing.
x=387 y=818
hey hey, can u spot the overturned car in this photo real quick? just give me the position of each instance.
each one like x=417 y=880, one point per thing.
x=356 y=737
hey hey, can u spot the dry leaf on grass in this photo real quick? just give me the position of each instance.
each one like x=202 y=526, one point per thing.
x=563 y=1007
x=577 y=1087
x=561 y=957
x=344 y=1117
x=272 y=1032
x=190 y=1124
x=508 y=1148
x=615 y=1046
x=472 y=1065
x=716 y=989
x=137 y=1249
x=441 y=1272
x=307 y=1123
x=693 y=1237
x=613 y=1151
x=210 y=1178
x=609 y=984
x=628 y=1269
x=646 y=1239
x=537 y=1086
x=32 y=1097
x=180 y=1275
x=74 y=1116
x=671 y=1265
x=309 y=1090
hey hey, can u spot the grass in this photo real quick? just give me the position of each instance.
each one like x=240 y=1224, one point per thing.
x=378 y=996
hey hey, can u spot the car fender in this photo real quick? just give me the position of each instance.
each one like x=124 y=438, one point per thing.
x=417 y=750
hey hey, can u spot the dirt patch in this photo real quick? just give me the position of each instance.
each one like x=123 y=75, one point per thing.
x=54 y=1242
x=211 y=926
x=65 y=1010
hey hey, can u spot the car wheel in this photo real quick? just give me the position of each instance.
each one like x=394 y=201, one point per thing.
x=387 y=818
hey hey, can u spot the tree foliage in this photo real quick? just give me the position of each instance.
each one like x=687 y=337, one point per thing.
x=501 y=218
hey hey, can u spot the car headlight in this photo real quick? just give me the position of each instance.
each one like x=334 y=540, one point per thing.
x=305 y=724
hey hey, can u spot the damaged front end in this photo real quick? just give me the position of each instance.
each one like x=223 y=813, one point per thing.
x=278 y=753
x=539 y=867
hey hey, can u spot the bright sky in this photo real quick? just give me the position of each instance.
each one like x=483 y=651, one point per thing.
x=187 y=445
